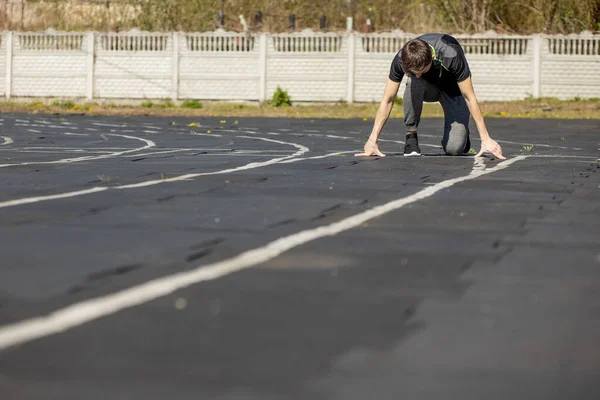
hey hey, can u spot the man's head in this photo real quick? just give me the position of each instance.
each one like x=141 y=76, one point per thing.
x=416 y=57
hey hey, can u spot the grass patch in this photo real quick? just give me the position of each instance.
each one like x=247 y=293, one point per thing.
x=68 y=104
x=191 y=104
x=104 y=178
x=531 y=108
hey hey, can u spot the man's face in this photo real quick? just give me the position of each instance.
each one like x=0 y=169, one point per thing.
x=418 y=73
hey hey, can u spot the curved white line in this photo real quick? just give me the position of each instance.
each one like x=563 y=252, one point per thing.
x=27 y=200
x=149 y=144
x=301 y=150
x=317 y=157
x=85 y=311
x=7 y=141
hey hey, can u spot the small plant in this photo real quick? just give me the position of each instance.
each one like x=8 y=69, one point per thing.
x=528 y=148
x=162 y=176
x=104 y=178
x=192 y=132
x=194 y=104
x=63 y=104
x=280 y=98
x=147 y=104
x=562 y=138
x=398 y=101
x=472 y=152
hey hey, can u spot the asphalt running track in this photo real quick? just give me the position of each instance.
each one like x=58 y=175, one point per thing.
x=142 y=258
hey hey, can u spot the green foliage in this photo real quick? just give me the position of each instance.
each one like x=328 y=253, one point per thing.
x=418 y=16
x=398 y=101
x=147 y=104
x=280 y=98
x=193 y=104
x=63 y=103
x=104 y=178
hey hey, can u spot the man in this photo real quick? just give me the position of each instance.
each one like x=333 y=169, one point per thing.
x=438 y=71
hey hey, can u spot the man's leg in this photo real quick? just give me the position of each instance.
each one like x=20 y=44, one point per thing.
x=417 y=91
x=456 y=124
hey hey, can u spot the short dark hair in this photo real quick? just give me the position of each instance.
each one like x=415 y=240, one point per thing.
x=415 y=56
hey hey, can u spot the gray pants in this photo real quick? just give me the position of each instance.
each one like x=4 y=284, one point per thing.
x=456 y=113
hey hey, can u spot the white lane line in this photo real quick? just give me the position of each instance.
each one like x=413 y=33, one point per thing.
x=34 y=131
x=85 y=311
x=317 y=157
x=65 y=151
x=559 y=156
x=76 y=134
x=74 y=148
x=301 y=150
x=7 y=141
x=111 y=125
x=177 y=150
x=206 y=134
x=62 y=127
x=478 y=165
x=149 y=144
x=27 y=200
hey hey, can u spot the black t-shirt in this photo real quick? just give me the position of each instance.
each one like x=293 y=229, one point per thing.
x=449 y=65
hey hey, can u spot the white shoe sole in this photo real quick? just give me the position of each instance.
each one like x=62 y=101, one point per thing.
x=413 y=154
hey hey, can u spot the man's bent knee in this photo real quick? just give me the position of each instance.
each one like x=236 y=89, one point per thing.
x=457 y=140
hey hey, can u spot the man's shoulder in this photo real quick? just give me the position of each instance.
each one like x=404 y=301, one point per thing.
x=440 y=39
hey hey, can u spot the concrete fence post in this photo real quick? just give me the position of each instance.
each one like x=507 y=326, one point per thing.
x=262 y=67
x=537 y=66
x=351 y=62
x=90 y=63
x=175 y=66
x=9 y=62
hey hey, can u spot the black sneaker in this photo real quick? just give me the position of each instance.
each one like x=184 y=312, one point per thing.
x=411 y=147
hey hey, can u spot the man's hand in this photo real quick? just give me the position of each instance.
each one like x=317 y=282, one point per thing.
x=489 y=145
x=371 y=149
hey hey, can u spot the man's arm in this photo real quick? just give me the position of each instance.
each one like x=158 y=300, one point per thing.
x=488 y=145
x=383 y=113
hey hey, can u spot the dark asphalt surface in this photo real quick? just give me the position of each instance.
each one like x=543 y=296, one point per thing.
x=487 y=289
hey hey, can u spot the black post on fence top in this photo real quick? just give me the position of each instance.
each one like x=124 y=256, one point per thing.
x=258 y=18
x=221 y=18
x=292 y=21
x=322 y=22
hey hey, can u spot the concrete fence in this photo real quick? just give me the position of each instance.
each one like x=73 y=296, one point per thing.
x=310 y=66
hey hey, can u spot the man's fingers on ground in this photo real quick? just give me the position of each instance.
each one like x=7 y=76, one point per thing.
x=480 y=153
x=361 y=155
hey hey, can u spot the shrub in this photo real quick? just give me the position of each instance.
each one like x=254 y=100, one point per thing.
x=63 y=103
x=280 y=98
x=147 y=104
x=191 y=104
